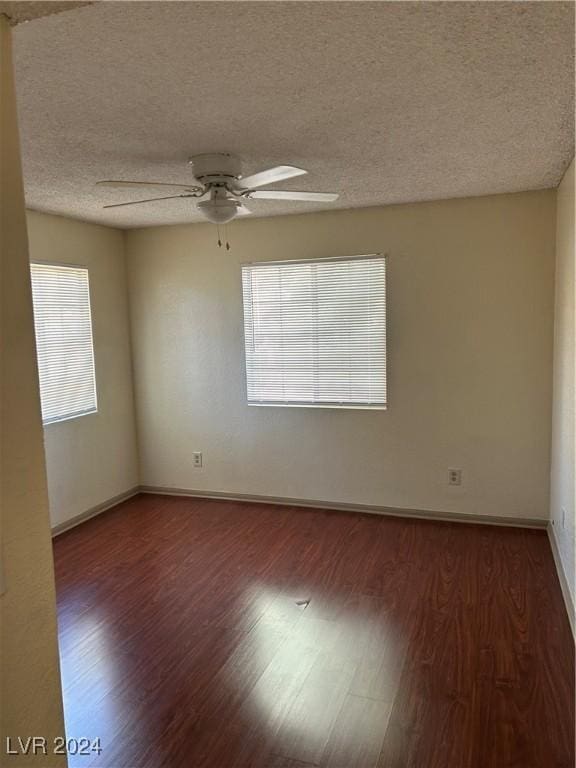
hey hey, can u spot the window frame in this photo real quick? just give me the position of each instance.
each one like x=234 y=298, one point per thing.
x=75 y=414
x=342 y=405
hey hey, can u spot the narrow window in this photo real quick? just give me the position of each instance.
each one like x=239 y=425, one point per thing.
x=63 y=324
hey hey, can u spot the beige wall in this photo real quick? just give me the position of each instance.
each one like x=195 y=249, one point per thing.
x=30 y=694
x=93 y=458
x=470 y=354
x=563 y=455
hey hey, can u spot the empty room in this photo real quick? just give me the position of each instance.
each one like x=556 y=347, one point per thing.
x=287 y=362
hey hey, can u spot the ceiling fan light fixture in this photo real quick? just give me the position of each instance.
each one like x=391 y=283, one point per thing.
x=219 y=210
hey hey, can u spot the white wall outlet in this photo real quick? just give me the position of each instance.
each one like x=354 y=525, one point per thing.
x=563 y=517
x=454 y=477
x=197 y=459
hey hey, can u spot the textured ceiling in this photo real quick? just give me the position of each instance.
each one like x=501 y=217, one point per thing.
x=384 y=102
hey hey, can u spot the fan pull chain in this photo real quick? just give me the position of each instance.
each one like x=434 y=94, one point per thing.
x=226 y=236
x=219 y=238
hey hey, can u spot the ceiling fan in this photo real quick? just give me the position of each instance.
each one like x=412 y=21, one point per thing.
x=219 y=180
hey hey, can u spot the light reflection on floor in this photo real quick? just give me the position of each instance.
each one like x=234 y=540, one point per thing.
x=310 y=663
x=321 y=663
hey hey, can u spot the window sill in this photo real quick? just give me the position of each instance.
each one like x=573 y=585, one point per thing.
x=323 y=406
x=60 y=419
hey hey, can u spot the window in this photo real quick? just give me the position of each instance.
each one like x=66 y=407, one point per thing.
x=315 y=332
x=61 y=297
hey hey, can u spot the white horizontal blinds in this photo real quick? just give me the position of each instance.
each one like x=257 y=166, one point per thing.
x=61 y=298
x=315 y=332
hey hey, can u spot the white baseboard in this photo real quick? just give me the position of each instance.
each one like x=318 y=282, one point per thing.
x=564 y=586
x=423 y=514
x=93 y=511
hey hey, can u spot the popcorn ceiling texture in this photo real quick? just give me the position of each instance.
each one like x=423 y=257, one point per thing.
x=384 y=102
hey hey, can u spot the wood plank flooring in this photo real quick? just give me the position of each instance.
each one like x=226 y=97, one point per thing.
x=423 y=644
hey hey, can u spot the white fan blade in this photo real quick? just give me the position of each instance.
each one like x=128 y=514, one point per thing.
x=281 y=194
x=270 y=176
x=243 y=211
x=149 y=200
x=121 y=184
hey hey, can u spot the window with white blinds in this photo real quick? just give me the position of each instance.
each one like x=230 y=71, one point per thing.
x=61 y=298
x=315 y=332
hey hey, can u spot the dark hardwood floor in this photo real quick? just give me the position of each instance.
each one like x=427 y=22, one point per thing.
x=215 y=634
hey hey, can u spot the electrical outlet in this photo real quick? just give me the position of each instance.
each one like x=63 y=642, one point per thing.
x=454 y=477
x=197 y=459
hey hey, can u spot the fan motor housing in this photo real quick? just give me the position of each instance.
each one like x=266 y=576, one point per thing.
x=216 y=168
